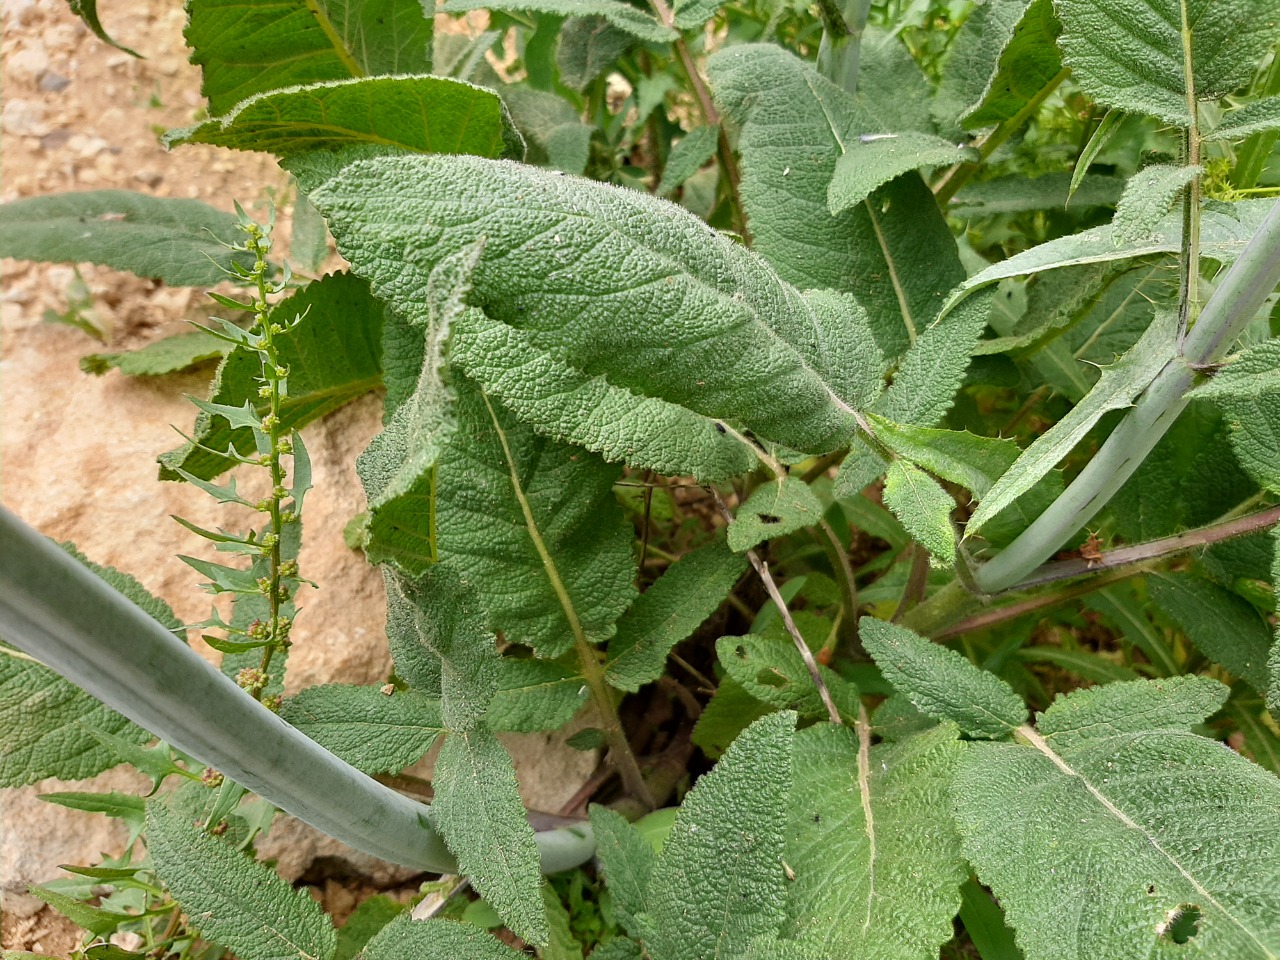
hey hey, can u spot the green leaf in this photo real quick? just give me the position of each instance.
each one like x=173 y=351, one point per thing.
x=249 y=48
x=1119 y=385
x=170 y=355
x=774 y=509
x=232 y=899
x=1150 y=813
x=1019 y=194
x=1223 y=625
x=373 y=731
x=1248 y=391
x=1254 y=372
x=924 y=508
x=414 y=114
x=691 y=14
x=1147 y=198
x=407 y=939
x=562 y=945
x=535 y=695
x=1174 y=703
x=1134 y=55
x=1273 y=659
x=621 y=15
x=565 y=403
x=333 y=356
x=726 y=846
x=589 y=46
x=611 y=274
x=368 y=919
x=873 y=159
x=478 y=810
x=1004 y=55
x=773 y=672
x=941 y=682
x=553 y=127
x=973 y=462
x=128 y=807
x=689 y=155
x=689 y=592
x=182 y=242
x=894 y=252
x=627 y=861
x=99 y=922
x=87 y=11
x=876 y=868
x=984 y=923
x=1260 y=116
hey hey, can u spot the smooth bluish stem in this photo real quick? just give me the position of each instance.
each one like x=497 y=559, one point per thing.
x=55 y=609
x=1240 y=295
x=839 y=56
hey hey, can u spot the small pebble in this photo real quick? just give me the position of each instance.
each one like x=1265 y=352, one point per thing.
x=51 y=82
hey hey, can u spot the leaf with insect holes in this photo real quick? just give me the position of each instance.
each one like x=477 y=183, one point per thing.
x=374 y=731
x=774 y=509
x=1173 y=847
x=601 y=277
x=876 y=869
x=687 y=593
x=726 y=846
x=247 y=48
x=185 y=243
x=495 y=849
x=395 y=114
x=941 y=682
x=1154 y=56
x=231 y=898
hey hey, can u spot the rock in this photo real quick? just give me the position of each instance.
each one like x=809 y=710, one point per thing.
x=23 y=118
x=51 y=82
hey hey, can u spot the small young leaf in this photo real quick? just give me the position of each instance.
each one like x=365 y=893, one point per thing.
x=231 y=898
x=373 y=731
x=726 y=845
x=924 y=508
x=872 y=160
x=185 y=243
x=941 y=682
x=128 y=807
x=774 y=509
x=678 y=602
x=688 y=156
x=627 y=861
x=478 y=809
x=1147 y=198
x=170 y=355
x=1175 y=703
x=102 y=923
x=562 y=945
x=589 y=46
x=773 y=672
x=1261 y=116
x=973 y=462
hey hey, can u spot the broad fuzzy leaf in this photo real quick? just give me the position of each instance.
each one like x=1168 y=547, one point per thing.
x=774 y=509
x=1273 y=659
x=773 y=672
x=375 y=732
x=1132 y=54
x=924 y=509
x=1261 y=116
x=1003 y=57
x=1019 y=194
x=972 y=461
x=669 y=611
x=621 y=15
x=1175 y=703
x=557 y=137
x=873 y=159
x=609 y=281
x=1116 y=389
x=407 y=939
x=877 y=870
x=478 y=809
x=589 y=46
x=246 y=48
x=893 y=252
x=1164 y=825
x=182 y=242
x=535 y=695
x=1248 y=391
x=941 y=682
x=1147 y=198
x=415 y=114
x=726 y=848
x=565 y=403
x=627 y=861
x=333 y=356
x=170 y=355
x=688 y=156
x=232 y=899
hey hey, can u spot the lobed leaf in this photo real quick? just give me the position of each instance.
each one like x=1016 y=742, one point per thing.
x=374 y=731
x=941 y=682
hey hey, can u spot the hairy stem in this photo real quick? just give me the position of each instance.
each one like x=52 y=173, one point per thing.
x=840 y=52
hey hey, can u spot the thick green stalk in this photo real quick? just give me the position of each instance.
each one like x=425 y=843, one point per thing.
x=840 y=52
x=55 y=609
x=1241 y=293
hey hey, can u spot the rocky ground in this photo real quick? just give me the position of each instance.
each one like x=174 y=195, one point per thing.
x=78 y=451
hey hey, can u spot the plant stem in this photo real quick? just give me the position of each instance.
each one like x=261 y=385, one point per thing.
x=840 y=52
x=1189 y=292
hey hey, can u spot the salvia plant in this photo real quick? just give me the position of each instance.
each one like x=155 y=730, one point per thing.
x=861 y=419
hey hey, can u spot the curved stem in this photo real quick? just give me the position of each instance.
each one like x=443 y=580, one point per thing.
x=56 y=610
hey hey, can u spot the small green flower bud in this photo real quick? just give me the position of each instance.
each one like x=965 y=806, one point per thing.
x=251 y=678
x=211 y=777
x=264 y=505
x=272 y=702
x=264 y=392
x=264 y=586
x=280 y=493
x=270 y=422
x=282 y=370
x=257 y=630
x=285 y=446
x=289 y=568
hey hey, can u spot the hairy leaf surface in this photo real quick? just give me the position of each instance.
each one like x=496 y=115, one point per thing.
x=773 y=672
x=1261 y=116
x=231 y=898
x=621 y=15
x=407 y=939
x=1147 y=198
x=974 y=462
x=688 y=156
x=774 y=509
x=877 y=871
x=535 y=695
x=873 y=159
x=1174 y=703
x=375 y=732
x=627 y=861
x=612 y=282
x=941 y=682
x=182 y=242
x=924 y=508
x=727 y=845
